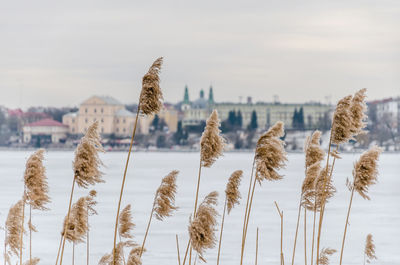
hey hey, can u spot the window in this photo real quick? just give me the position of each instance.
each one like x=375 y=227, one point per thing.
x=102 y=129
x=95 y=110
x=117 y=120
x=73 y=120
x=102 y=120
x=101 y=110
x=86 y=120
x=124 y=120
x=117 y=129
x=124 y=130
x=73 y=129
x=86 y=110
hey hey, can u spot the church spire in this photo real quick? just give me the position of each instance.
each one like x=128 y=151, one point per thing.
x=186 y=96
x=211 y=96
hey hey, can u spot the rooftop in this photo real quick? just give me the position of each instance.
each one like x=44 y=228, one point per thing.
x=46 y=123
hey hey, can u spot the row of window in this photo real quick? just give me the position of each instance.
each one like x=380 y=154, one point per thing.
x=95 y=110
x=102 y=120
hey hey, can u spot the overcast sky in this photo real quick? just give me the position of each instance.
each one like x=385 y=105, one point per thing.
x=58 y=53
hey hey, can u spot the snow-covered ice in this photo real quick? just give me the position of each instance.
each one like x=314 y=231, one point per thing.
x=380 y=216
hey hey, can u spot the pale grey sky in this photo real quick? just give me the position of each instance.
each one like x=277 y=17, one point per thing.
x=58 y=53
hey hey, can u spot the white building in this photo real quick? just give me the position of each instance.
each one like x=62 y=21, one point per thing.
x=388 y=112
x=44 y=131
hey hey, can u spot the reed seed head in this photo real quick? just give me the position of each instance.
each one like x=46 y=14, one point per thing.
x=270 y=154
x=76 y=228
x=34 y=261
x=313 y=150
x=125 y=223
x=323 y=181
x=365 y=171
x=151 y=95
x=165 y=196
x=35 y=179
x=87 y=161
x=211 y=143
x=370 y=248
x=134 y=256
x=13 y=227
x=342 y=123
x=324 y=256
x=202 y=226
x=358 y=108
x=232 y=191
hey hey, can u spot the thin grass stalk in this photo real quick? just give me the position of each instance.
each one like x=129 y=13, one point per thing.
x=313 y=233
x=246 y=210
x=87 y=238
x=281 y=217
x=220 y=235
x=22 y=232
x=123 y=181
x=256 y=248
x=323 y=199
x=59 y=249
x=177 y=249
x=148 y=225
x=305 y=236
x=66 y=223
x=249 y=211
x=30 y=234
x=345 y=227
x=122 y=250
x=186 y=252
x=297 y=230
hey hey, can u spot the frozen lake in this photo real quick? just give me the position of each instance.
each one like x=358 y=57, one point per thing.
x=380 y=216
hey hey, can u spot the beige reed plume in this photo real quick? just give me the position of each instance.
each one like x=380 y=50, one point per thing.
x=150 y=102
x=202 y=226
x=125 y=223
x=365 y=171
x=358 y=107
x=369 y=251
x=232 y=190
x=342 y=124
x=165 y=196
x=151 y=95
x=35 y=179
x=365 y=174
x=34 y=261
x=324 y=188
x=134 y=256
x=77 y=226
x=270 y=153
x=270 y=156
x=106 y=259
x=212 y=143
x=232 y=197
x=324 y=256
x=87 y=160
x=13 y=227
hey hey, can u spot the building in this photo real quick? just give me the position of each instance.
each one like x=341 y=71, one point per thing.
x=112 y=115
x=44 y=131
x=387 y=112
x=196 y=112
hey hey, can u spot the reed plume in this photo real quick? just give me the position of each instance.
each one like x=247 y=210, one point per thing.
x=134 y=256
x=202 y=226
x=33 y=261
x=365 y=174
x=324 y=188
x=232 y=191
x=369 y=250
x=106 y=259
x=125 y=223
x=75 y=228
x=87 y=161
x=165 y=196
x=151 y=96
x=150 y=102
x=358 y=108
x=13 y=227
x=212 y=143
x=324 y=257
x=270 y=154
x=342 y=124
x=232 y=197
x=35 y=179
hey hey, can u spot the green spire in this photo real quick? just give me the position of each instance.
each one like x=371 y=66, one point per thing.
x=186 y=96
x=202 y=93
x=211 y=96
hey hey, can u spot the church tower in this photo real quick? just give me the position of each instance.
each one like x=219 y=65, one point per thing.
x=211 y=96
x=186 y=96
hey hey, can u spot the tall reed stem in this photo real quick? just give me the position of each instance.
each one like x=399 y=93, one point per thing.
x=220 y=234
x=148 y=225
x=245 y=221
x=66 y=223
x=186 y=252
x=177 y=249
x=305 y=236
x=313 y=233
x=256 y=248
x=30 y=234
x=87 y=237
x=345 y=226
x=297 y=230
x=281 y=216
x=123 y=182
x=59 y=248
x=323 y=197
x=22 y=231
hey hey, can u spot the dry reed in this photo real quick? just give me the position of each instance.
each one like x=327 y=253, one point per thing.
x=211 y=143
x=324 y=256
x=232 y=192
x=125 y=223
x=13 y=227
x=151 y=94
x=165 y=196
x=358 y=108
x=342 y=129
x=202 y=226
x=33 y=261
x=369 y=251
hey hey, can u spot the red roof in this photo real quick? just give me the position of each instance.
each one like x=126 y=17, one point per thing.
x=46 y=122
